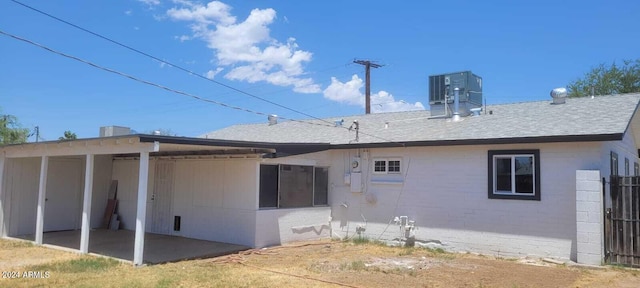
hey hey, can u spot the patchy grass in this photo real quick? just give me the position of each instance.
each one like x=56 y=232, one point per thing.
x=12 y=244
x=308 y=264
x=82 y=265
x=406 y=251
x=355 y=266
x=360 y=240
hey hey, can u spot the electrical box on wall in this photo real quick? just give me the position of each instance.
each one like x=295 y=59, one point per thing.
x=347 y=179
x=356 y=182
x=356 y=164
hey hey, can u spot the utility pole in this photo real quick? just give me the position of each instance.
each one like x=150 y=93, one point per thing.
x=367 y=66
x=37 y=133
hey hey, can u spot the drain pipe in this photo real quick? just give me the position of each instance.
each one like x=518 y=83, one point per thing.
x=456 y=104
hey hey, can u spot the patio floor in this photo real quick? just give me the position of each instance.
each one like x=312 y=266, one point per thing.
x=157 y=248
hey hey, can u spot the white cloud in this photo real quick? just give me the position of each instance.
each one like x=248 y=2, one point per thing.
x=150 y=2
x=183 y=38
x=385 y=102
x=349 y=93
x=128 y=12
x=246 y=47
x=212 y=73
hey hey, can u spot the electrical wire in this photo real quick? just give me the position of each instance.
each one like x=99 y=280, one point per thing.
x=151 y=83
x=166 y=62
x=176 y=91
x=184 y=70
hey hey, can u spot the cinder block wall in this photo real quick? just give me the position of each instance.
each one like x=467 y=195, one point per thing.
x=589 y=217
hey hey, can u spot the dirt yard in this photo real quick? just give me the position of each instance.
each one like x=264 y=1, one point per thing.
x=308 y=264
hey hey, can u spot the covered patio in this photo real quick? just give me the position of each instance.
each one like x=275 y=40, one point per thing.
x=63 y=186
x=158 y=248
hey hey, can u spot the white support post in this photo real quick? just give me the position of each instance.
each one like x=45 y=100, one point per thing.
x=86 y=206
x=142 y=209
x=42 y=192
x=3 y=232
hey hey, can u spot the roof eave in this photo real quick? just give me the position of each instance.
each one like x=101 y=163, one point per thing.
x=489 y=141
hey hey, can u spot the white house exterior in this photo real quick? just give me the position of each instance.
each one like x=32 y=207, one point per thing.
x=500 y=183
x=446 y=169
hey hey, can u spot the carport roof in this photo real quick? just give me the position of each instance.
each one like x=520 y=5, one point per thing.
x=157 y=145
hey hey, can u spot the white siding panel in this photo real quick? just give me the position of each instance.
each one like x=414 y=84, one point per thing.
x=126 y=172
x=63 y=206
x=22 y=189
x=101 y=184
x=208 y=190
x=216 y=200
x=240 y=184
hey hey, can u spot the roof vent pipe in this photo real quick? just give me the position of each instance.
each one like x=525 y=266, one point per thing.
x=559 y=95
x=273 y=119
x=456 y=104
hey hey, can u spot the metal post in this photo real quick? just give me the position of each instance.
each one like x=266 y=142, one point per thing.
x=86 y=206
x=42 y=192
x=141 y=209
x=456 y=104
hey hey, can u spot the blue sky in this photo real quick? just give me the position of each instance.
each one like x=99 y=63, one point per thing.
x=295 y=53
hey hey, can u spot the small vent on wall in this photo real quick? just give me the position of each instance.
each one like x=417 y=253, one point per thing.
x=176 y=223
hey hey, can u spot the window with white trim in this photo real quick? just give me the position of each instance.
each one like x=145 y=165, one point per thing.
x=387 y=166
x=514 y=174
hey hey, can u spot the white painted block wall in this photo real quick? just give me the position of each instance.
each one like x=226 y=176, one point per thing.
x=445 y=190
x=589 y=218
x=276 y=226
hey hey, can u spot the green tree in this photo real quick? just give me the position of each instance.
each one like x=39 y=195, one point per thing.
x=11 y=132
x=68 y=135
x=607 y=80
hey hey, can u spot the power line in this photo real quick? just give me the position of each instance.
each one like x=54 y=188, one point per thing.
x=194 y=73
x=176 y=91
x=150 y=83
x=166 y=62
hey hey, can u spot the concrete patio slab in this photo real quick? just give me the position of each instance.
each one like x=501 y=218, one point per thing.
x=157 y=248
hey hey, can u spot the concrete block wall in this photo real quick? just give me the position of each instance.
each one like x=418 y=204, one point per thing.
x=444 y=189
x=589 y=217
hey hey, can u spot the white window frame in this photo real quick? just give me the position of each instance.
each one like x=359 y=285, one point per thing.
x=513 y=174
x=494 y=155
x=386 y=166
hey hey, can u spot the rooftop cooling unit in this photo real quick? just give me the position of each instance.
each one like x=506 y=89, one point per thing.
x=441 y=92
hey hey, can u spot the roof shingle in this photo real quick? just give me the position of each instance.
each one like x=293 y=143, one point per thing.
x=602 y=115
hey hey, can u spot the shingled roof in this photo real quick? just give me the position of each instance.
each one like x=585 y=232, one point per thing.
x=601 y=118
